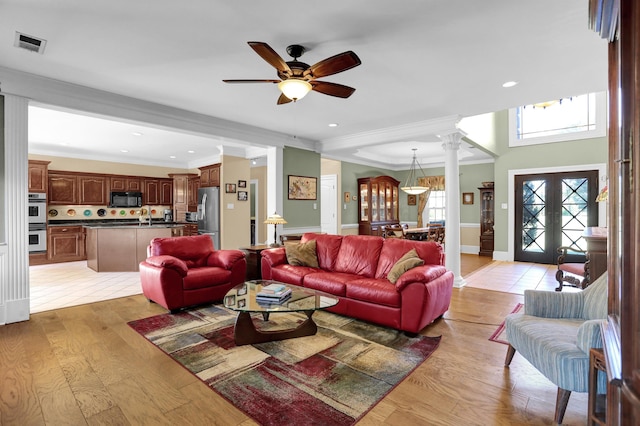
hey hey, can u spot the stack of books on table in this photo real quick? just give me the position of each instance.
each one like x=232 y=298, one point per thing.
x=273 y=293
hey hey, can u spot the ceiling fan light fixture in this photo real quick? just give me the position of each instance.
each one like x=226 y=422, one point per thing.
x=294 y=88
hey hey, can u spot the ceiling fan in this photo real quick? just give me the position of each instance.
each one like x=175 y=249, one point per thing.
x=298 y=78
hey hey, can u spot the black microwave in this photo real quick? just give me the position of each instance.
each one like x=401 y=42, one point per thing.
x=125 y=199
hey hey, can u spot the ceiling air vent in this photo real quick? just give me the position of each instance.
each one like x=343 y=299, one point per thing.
x=30 y=43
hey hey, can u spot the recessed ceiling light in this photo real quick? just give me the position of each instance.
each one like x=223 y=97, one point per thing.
x=333 y=125
x=510 y=84
x=124 y=150
x=136 y=134
x=172 y=156
x=191 y=151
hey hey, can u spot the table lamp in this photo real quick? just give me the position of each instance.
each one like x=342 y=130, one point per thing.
x=275 y=219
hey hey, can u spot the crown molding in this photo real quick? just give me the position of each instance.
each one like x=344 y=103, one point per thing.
x=57 y=93
x=411 y=131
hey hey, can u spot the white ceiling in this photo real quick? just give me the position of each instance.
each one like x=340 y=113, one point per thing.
x=422 y=61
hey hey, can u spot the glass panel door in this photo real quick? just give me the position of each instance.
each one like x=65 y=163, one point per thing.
x=552 y=210
x=364 y=203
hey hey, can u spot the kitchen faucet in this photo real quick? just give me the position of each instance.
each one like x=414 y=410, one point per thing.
x=150 y=218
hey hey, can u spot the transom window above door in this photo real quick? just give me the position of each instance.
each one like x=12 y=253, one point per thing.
x=577 y=117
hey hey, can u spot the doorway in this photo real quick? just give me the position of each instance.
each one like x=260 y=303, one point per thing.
x=328 y=204
x=552 y=210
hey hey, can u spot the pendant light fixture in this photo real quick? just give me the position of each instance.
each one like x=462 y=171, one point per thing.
x=411 y=185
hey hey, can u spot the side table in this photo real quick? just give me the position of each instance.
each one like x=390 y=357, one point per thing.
x=254 y=269
x=597 y=413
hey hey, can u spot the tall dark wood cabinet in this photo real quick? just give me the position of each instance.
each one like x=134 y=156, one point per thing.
x=620 y=25
x=486 y=221
x=377 y=204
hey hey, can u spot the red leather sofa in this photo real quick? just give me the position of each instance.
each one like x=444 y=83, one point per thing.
x=186 y=271
x=354 y=268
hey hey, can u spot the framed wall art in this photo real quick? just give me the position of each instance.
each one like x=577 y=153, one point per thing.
x=467 y=198
x=242 y=184
x=230 y=188
x=302 y=187
x=243 y=195
x=411 y=200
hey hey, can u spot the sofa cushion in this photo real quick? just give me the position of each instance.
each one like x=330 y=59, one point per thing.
x=290 y=274
x=302 y=254
x=193 y=250
x=205 y=277
x=595 y=299
x=409 y=261
x=394 y=248
x=330 y=282
x=376 y=291
x=359 y=255
x=327 y=248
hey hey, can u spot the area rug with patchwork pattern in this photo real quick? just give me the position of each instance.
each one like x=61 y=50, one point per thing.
x=332 y=378
x=498 y=335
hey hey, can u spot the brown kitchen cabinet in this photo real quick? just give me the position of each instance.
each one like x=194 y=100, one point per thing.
x=210 y=175
x=93 y=190
x=73 y=188
x=158 y=191
x=181 y=194
x=63 y=188
x=125 y=183
x=193 y=185
x=66 y=243
x=166 y=192
x=190 y=229
x=377 y=204
x=38 y=175
x=151 y=192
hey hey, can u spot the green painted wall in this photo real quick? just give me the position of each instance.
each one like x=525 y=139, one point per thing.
x=471 y=178
x=300 y=162
x=584 y=151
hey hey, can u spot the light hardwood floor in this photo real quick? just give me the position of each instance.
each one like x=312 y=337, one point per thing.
x=85 y=365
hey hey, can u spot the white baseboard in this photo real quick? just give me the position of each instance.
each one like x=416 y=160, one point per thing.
x=502 y=255
x=469 y=249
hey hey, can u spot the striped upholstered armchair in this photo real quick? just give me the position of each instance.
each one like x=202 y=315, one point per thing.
x=555 y=333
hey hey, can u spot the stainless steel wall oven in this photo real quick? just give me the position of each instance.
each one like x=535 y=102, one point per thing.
x=37 y=222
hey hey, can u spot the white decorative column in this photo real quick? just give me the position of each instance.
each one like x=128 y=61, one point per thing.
x=274 y=187
x=451 y=145
x=14 y=265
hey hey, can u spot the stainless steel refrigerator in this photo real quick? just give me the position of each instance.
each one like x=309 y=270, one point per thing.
x=209 y=213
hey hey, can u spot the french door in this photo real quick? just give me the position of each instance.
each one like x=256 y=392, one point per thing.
x=552 y=210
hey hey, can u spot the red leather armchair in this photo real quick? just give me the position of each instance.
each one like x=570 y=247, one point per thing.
x=187 y=271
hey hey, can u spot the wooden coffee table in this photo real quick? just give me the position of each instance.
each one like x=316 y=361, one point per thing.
x=242 y=298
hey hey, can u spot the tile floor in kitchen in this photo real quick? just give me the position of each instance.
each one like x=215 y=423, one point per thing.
x=67 y=284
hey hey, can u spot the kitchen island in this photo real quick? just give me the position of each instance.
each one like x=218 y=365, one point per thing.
x=122 y=248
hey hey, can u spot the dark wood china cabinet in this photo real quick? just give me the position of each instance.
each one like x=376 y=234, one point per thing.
x=486 y=221
x=618 y=21
x=377 y=204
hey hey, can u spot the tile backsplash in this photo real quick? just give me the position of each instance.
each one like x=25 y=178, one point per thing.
x=76 y=212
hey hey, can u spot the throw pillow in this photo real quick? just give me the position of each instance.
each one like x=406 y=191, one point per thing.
x=303 y=254
x=409 y=261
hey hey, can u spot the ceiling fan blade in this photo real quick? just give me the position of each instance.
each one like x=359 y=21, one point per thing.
x=268 y=54
x=333 y=65
x=332 y=89
x=283 y=99
x=251 y=81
